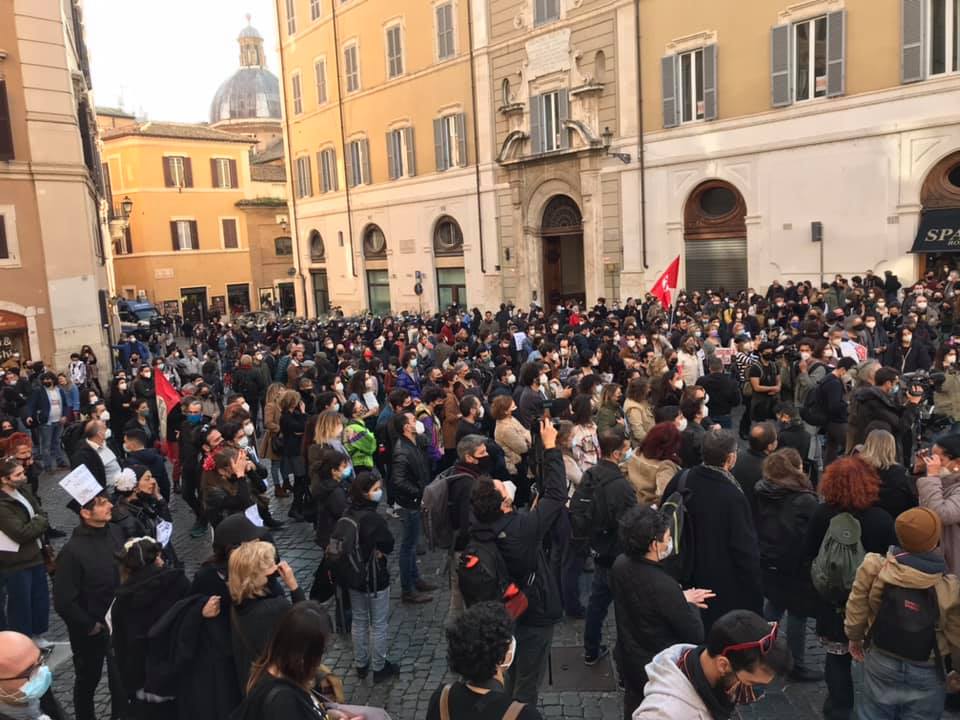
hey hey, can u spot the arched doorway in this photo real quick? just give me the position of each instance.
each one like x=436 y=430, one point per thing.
x=715 y=238
x=562 y=237
x=938 y=235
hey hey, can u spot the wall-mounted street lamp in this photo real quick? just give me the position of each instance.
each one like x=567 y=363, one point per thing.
x=126 y=206
x=607 y=138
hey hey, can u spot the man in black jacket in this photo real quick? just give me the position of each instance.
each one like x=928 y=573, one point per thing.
x=134 y=445
x=612 y=495
x=88 y=452
x=410 y=473
x=725 y=555
x=723 y=392
x=877 y=408
x=832 y=396
x=749 y=468
x=519 y=538
x=191 y=441
x=83 y=588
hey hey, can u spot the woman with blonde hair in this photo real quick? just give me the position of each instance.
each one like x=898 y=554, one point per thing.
x=328 y=433
x=637 y=410
x=610 y=414
x=897 y=490
x=270 y=443
x=257 y=600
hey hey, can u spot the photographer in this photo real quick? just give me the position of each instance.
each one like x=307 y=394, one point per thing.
x=879 y=407
x=946 y=393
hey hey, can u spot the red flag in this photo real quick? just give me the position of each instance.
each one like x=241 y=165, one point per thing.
x=167 y=399
x=666 y=283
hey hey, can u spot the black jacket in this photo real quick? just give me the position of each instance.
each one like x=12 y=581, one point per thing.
x=330 y=503
x=86 y=455
x=252 y=624
x=519 y=537
x=292 y=425
x=142 y=600
x=374 y=535
x=691 y=444
x=898 y=490
x=277 y=698
x=459 y=488
x=723 y=391
x=651 y=615
x=410 y=473
x=87 y=576
x=725 y=555
x=153 y=461
x=613 y=495
x=832 y=397
x=748 y=472
x=876 y=410
x=218 y=502
x=249 y=383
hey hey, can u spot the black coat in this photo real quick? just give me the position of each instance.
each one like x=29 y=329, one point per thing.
x=723 y=390
x=87 y=576
x=252 y=624
x=726 y=558
x=652 y=614
x=142 y=600
x=277 y=698
x=330 y=503
x=153 y=461
x=86 y=455
x=876 y=410
x=409 y=472
x=613 y=495
x=374 y=535
x=898 y=490
x=749 y=471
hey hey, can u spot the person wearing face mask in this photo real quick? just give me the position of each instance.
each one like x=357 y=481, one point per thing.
x=248 y=381
x=408 y=378
x=908 y=354
x=939 y=490
x=765 y=381
x=653 y=612
x=743 y=653
x=873 y=336
x=47 y=411
x=225 y=488
x=946 y=395
x=724 y=552
x=881 y=407
x=481 y=648
x=25 y=680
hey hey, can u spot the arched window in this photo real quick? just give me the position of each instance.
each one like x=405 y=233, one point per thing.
x=600 y=67
x=447 y=237
x=374 y=243
x=505 y=92
x=318 y=252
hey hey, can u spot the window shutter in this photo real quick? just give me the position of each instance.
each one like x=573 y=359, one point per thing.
x=710 y=82
x=173 y=235
x=215 y=172
x=334 y=171
x=836 y=49
x=391 y=157
x=536 y=141
x=348 y=166
x=4 y=250
x=230 y=233
x=438 y=144
x=128 y=240
x=167 y=173
x=367 y=176
x=671 y=103
x=780 y=65
x=194 y=236
x=6 y=125
x=234 y=181
x=411 y=152
x=563 y=101
x=913 y=53
x=461 y=121
x=107 y=184
x=187 y=173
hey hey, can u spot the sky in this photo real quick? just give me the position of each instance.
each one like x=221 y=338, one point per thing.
x=167 y=59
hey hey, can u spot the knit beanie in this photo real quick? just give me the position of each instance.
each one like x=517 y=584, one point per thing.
x=918 y=530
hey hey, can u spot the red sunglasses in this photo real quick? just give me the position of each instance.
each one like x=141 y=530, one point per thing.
x=763 y=644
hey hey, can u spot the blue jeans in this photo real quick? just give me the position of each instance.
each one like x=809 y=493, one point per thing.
x=28 y=600
x=408 y=549
x=899 y=690
x=50 y=451
x=600 y=598
x=371 y=614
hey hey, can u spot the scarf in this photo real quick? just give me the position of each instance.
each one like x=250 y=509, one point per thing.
x=726 y=474
x=717 y=701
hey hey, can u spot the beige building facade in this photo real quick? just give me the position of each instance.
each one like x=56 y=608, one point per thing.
x=53 y=252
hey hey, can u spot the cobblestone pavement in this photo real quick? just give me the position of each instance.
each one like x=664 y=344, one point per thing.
x=416 y=638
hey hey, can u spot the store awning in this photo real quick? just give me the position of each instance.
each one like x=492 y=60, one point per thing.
x=939 y=232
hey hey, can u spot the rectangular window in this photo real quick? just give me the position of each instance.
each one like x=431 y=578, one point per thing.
x=397 y=152
x=175 y=172
x=223 y=172
x=304 y=177
x=944 y=32
x=4 y=247
x=691 y=86
x=230 y=239
x=320 y=72
x=378 y=289
x=314 y=9
x=297 y=95
x=550 y=121
x=351 y=68
x=291 y=17
x=359 y=163
x=445 y=38
x=810 y=57
x=451 y=287
x=328 y=171
x=238 y=299
x=394 y=52
x=6 y=124
x=545 y=11
x=321 y=292
x=185 y=234
x=450 y=139
x=283 y=246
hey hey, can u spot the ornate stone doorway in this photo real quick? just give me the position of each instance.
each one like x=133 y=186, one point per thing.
x=561 y=233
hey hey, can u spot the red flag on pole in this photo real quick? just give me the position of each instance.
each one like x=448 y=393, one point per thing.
x=167 y=399
x=666 y=283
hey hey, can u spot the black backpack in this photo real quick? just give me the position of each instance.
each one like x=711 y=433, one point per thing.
x=906 y=623
x=588 y=516
x=813 y=411
x=483 y=576
x=72 y=437
x=342 y=555
x=680 y=563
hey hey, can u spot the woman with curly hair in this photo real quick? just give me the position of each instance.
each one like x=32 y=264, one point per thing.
x=480 y=649
x=658 y=461
x=849 y=485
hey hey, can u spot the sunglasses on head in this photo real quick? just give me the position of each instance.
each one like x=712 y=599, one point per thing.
x=763 y=644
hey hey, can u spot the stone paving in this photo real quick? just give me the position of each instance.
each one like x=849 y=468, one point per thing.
x=416 y=638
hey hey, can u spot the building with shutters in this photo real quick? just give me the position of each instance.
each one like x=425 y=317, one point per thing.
x=52 y=237
x=760 y=123
x=382 y=135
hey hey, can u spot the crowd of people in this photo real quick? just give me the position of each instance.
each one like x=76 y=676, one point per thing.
x=563 y=459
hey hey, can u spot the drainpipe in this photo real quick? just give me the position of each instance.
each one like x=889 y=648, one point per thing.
x=343 y=136
x=476 y=136
x=641 y=153
x=293 y=190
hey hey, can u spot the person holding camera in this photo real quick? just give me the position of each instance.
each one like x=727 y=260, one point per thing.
x=881 y=407
x=765 y=381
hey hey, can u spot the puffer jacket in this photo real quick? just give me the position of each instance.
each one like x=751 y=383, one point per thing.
x=907 y=570
x=942 y=495
x=668 y=695
x=947 y=399
x=16 y=523
x=515 y=440
x=650 y=477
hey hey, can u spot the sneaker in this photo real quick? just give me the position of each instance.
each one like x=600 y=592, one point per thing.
x=415 y=598
x=591 y=660
x=389 y=670
x=362 y=672
x=423 y=586
x=198 y=531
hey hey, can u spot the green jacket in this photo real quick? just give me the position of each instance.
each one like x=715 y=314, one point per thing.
x=607 y=418
x=360 y=443
x=15 y=523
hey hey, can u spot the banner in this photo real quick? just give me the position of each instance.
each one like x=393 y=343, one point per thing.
x=662 y=289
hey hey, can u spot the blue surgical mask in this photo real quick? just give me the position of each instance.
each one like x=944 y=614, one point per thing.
x=348 y=473
x=376 y=496
x=37 y=686
x=195 y=418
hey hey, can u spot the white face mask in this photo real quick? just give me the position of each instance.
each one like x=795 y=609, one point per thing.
x=245 y=406
x=338 y=387
x=805 y=355
x=663 y=555
x=248 y=428
x=508 y=658
x=336 y=407
x=243 y=442
x=682 y=425
x=105 y=415
x=480 y=413
x=420 y=428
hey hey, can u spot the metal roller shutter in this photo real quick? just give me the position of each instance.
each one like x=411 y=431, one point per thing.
x=716 y=263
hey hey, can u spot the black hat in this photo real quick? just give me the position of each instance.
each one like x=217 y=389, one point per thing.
x=234 y=530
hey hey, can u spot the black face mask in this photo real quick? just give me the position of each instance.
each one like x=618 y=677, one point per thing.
x=484 y=465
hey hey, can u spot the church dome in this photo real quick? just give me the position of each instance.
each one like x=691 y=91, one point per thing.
x=252 y=92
